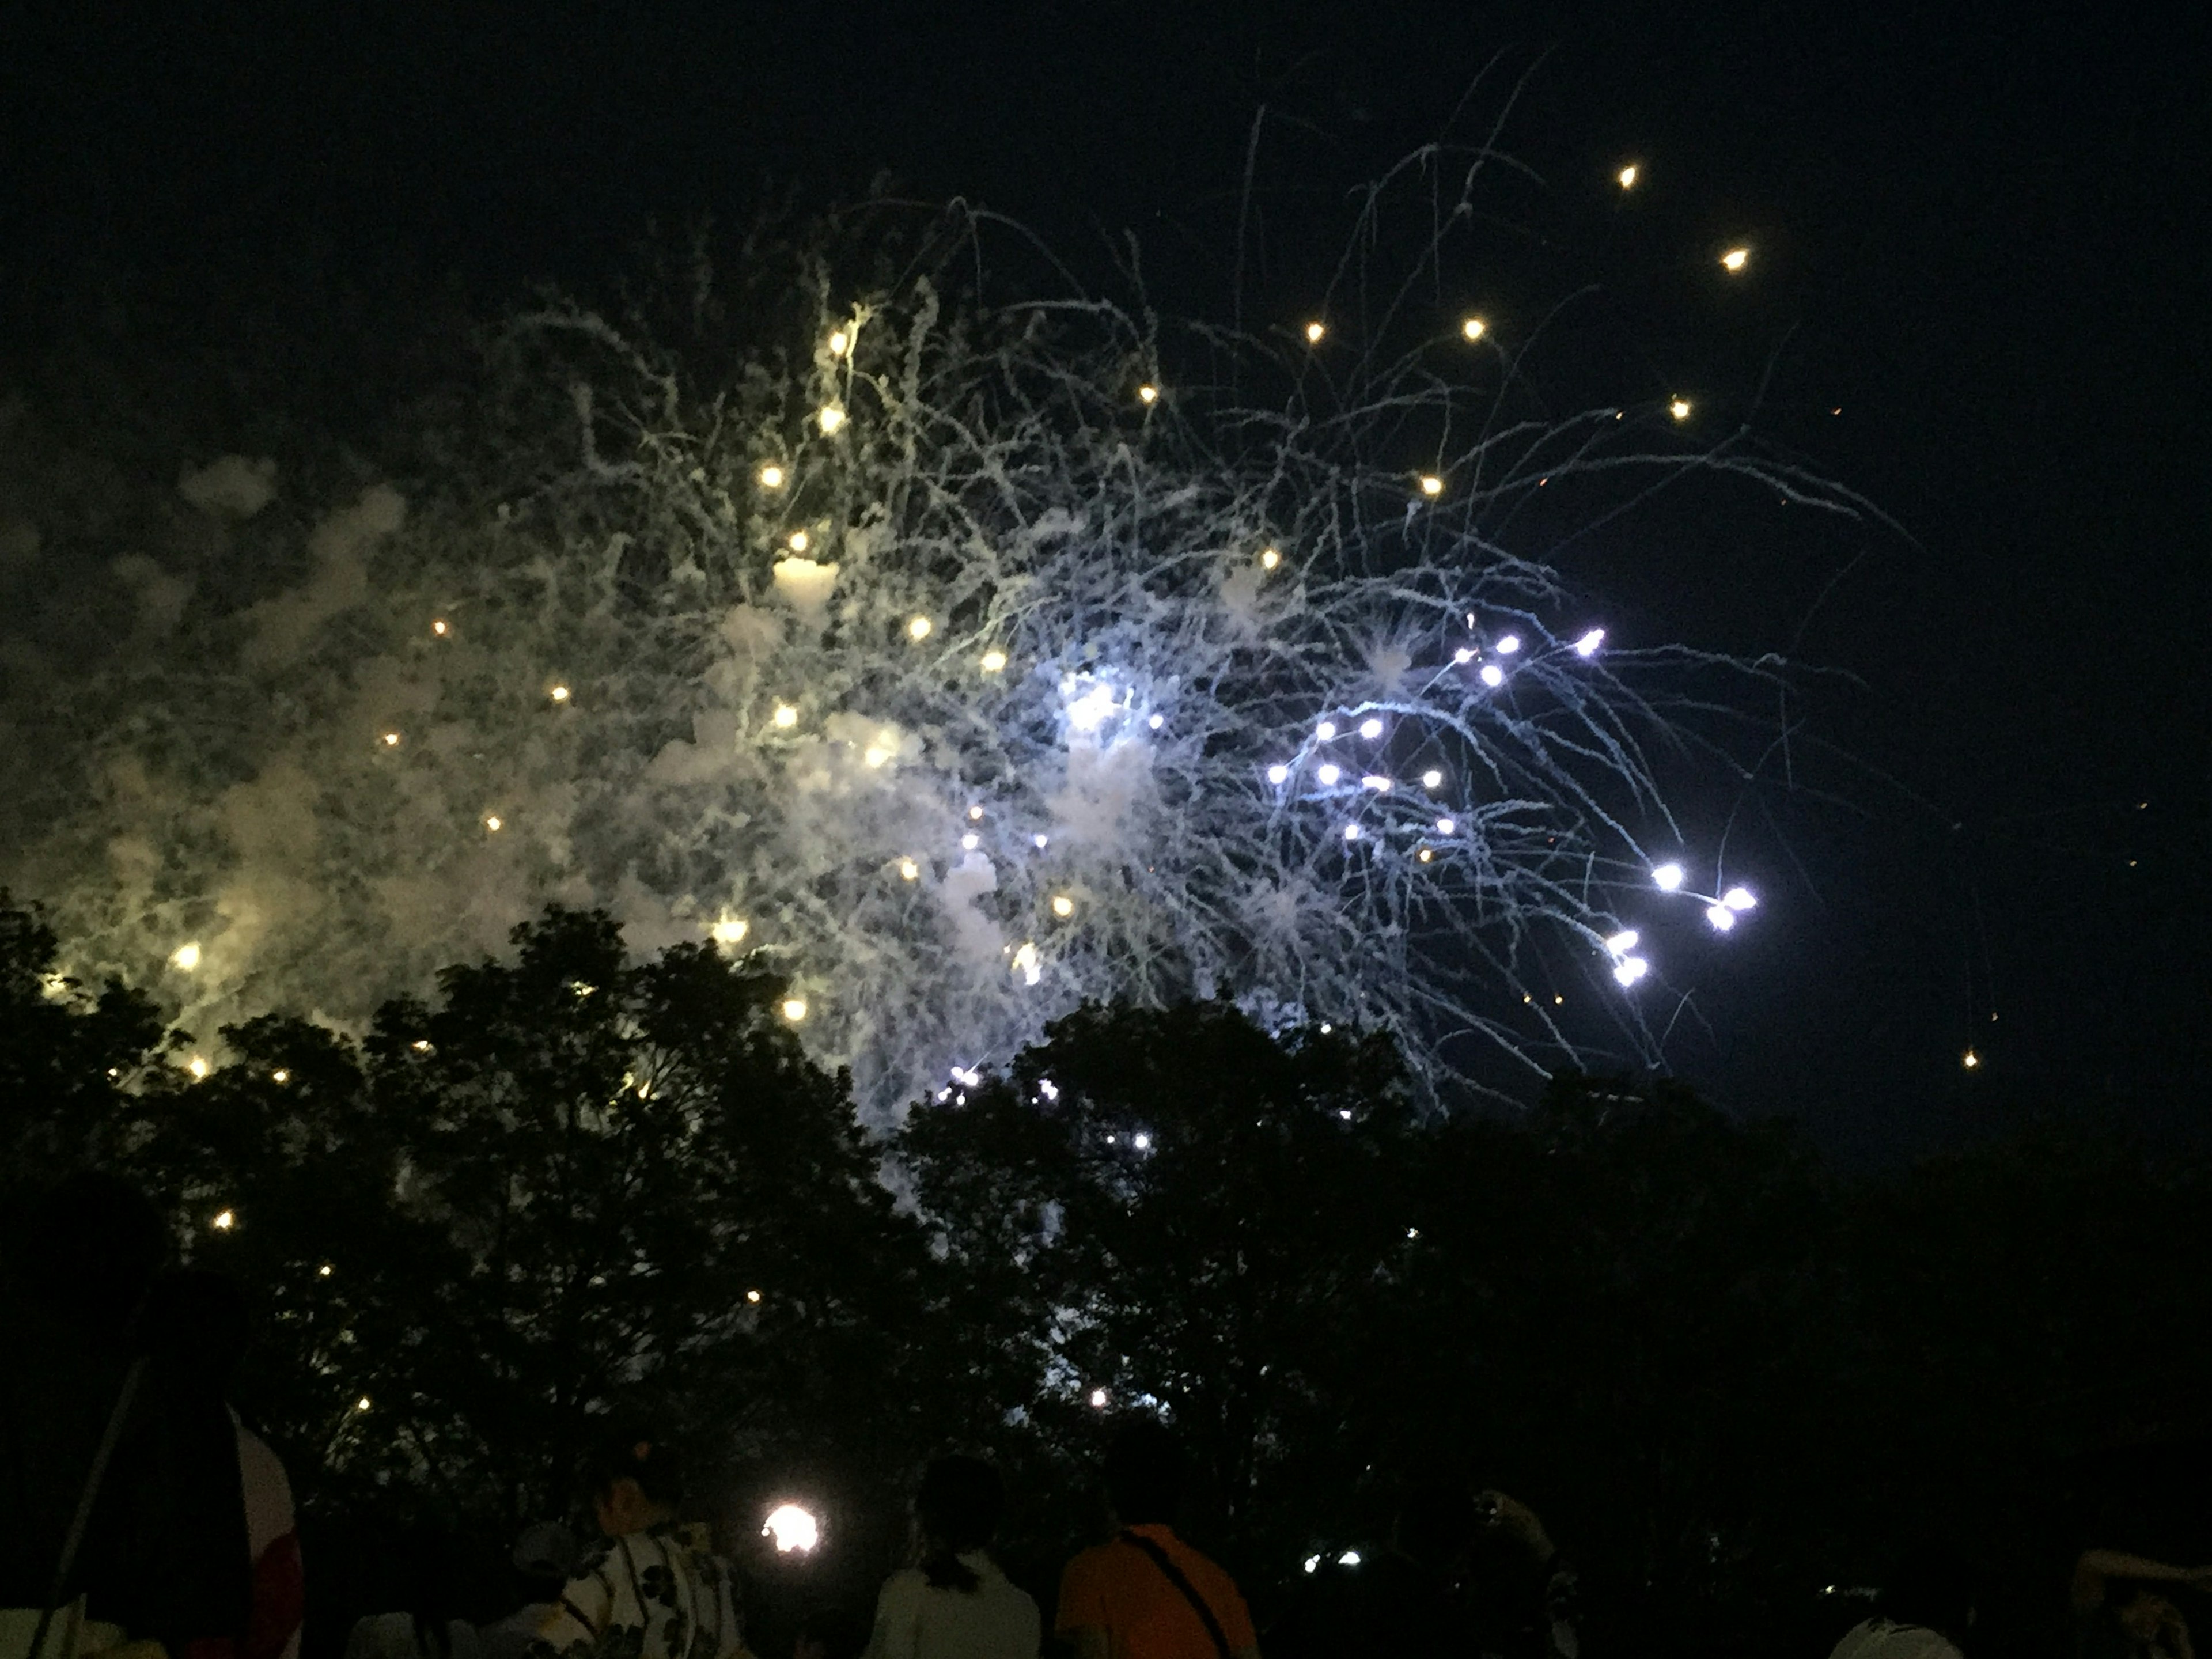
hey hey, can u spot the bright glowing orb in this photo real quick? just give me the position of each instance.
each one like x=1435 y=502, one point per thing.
x=1279 y=774
x=1314 y=333
x=1269 y=559
x=993 y=661
x=1148 y=394
x=875 y=755
x=730 y=930
x=185 y=958
x=1474 y=328
x=1100 y=1399
x=391 y=740
x=1969 y=1060
x=1667 y=878
x=1629 y=970
x=1312 y=1563
x=794 y=1009
x=1509 y=644
x=1370 y=729
x=1739 y=898
x=1349 y=1558
x=1463 y=656
x=771 y=477
x=1375 y=781
x=786 y=715
x=831 y=417
x=1328 y=775
x=559 y=694
x=492 y=822
x=1062 y=906
x=1735 y=258
x=909 y=871
x=197 y=1067
x=1432 y=778
x=1623 y=942
x=1587 y=645
x=1626 y=177
x=976 y=814
x=799 y=541
x=1492 y=675
x=1141 y=1141
x=840 y=343
x=1447 y=826
x=1431 y=485
x=1352 y=832
x=1721 y=916
x=1325 y=731
x=1092 y=709
x=971 y=843
x=224 y=1221
x=1679 y=409
x=439 y=627
x=918 y=628
x=1156 y=721
x=1028 y=964
x=794 y=1529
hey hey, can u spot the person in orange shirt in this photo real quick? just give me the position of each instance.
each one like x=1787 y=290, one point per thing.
x=1147 y=1595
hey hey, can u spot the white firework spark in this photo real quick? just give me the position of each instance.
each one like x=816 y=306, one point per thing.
x=965 y=662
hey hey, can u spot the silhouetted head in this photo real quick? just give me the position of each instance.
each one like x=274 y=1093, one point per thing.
x=1436 y=1522
x=633 y=1480
x=958 y=1508
x=1144 y=1473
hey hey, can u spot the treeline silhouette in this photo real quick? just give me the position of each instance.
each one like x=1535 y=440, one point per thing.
x=1736 y=1384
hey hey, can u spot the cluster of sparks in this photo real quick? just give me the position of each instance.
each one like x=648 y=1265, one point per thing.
x=967 y=664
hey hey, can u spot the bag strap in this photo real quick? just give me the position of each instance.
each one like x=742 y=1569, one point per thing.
x=84 y=1503
x=1174 y=1575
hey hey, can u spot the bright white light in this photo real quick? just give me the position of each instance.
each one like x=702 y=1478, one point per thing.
x=1269 y=558
x=1349 y=1558
x=1721 y=916
x=492 y=822
x=1626 y=177
x=362 y=1404
x=1041 y=842
x=1739 y=898
x=1432 y=778
x=1969 y=1060
x=1447 y=826
x=185 y=958
x=1587 y=645
x=1048 y=1088
x=1623 y=942
x=1028 y=964
x=1474 y=328
x=1375 y=781
x=976 y=814
x=1141 y=1141
x=1156 y=721
x=993 y=661
x=1325 y=731
x=831 y=417
x=197 y=1067
x=909 y=871
x=1328 y=775
x=439 y=627
x=1092 y=709
x=1629 y=970
x=771 y=477
x=797 y=541
x=1679 y=409
x=1735 y=258
x=1148 y=394
x=786 y=715
x=1352 y=832
x=282 y=1074
x=840 y=343
x=1509 y=644
x=391 y=740
x=730 y=930
x=1312 y=1563
x=918 y=628
x=794 y=1009
x=971 y=843
x=1463 y=656
x=875 y=757
x=1279 y=774
x=1492 y=675
x=793 y=1528
x=1370 y=729
x=1667 y=878
x=1062 y=906
x=224 y=1221
x=1431 y=485
x=1314 y=333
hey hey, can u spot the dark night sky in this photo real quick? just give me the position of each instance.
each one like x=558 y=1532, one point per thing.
x=1981 y=232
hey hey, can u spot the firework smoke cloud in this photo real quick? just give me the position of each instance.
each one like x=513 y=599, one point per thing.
x=967 y=655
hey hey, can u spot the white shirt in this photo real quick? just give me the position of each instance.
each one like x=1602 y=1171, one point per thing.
x=1878 y=1638
x=996 y=1621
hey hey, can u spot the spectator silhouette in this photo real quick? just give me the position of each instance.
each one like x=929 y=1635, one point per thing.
x=956 y=1604
x=1147 y=1595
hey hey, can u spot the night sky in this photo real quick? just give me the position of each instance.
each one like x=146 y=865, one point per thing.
x=1981 y=235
